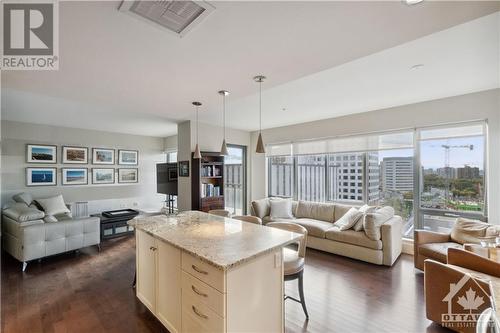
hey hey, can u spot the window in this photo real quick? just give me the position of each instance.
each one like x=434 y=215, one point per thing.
x=172 y=157
x=281 y=176
x=452 y=181
x=311 y=177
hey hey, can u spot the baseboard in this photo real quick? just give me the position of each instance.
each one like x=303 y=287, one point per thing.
x=407 y=246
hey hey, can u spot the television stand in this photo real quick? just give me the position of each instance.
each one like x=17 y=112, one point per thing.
x=114 y=223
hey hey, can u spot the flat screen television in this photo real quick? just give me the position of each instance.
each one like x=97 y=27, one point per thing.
x=166 y=178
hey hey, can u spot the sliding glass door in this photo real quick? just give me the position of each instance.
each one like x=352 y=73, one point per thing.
x=235 y=180
x=452 y=175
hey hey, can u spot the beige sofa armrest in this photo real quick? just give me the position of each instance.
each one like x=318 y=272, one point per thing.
x=392 y=240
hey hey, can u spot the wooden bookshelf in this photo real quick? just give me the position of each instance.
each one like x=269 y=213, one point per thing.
x=208 y=182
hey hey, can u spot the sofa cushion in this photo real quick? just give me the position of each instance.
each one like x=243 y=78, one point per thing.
x=365 y=209
x=281 y=208
x=373 y=221
x=316 y=210
x=267 y=219
x=54 y=205
x=340 y=210
x=438 y=251
x=314 y=228
x=24 y=197
x=20 y=212
x=261 y=207
x=50 y=219
x=353 y=237
x=349 y=219
x=468 y=231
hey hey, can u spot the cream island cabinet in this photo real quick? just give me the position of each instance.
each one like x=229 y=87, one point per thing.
x=203 y=273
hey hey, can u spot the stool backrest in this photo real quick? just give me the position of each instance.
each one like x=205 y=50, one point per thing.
x=293 y=227
x=220 y=212
x=248 y=218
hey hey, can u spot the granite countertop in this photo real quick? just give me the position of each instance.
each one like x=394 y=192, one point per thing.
x=222 y=242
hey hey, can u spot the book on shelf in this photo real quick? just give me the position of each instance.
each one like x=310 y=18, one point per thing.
x=209 y=190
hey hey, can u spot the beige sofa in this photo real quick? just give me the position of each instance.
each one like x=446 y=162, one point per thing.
x=319 y=219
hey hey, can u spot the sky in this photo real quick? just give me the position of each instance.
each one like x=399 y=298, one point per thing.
x=432 y=153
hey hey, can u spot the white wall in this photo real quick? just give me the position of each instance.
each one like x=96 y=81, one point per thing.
x=475 y=106
x=210 y=139
x=15 y=136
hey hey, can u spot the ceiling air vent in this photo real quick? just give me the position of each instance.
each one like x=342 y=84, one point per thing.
x=178 y=17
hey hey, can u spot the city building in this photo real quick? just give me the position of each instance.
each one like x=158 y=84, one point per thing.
x=468 y=172
x=397 y=174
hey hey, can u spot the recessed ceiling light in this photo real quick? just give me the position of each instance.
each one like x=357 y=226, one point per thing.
x=413 y=2
x=417 y=66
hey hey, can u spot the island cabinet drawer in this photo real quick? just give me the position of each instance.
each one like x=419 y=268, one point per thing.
x=197 y=317
x=205 y=272
x=202 y=292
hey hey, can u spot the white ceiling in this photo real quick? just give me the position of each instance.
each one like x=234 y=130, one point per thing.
x=118 y=73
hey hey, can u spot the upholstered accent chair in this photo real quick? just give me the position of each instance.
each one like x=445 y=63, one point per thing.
x=440 y=278
x=294 y=261
x=435 y=245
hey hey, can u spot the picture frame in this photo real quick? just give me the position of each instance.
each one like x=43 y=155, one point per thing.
x=75 y=155
x=172 y=174
x=42 y=154
x=103 y=175
x=75 y=176
x=128 y=157
x=103 y=156
x=128 y=175
x=183 y=169
x=41 y=176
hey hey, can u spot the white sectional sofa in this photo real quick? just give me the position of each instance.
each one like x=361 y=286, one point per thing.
x=28 y=233
x=380 y=244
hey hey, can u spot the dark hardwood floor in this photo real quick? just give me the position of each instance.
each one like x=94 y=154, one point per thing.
x=90 y=292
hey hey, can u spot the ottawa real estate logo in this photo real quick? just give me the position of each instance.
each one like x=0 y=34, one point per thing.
x=30 y=35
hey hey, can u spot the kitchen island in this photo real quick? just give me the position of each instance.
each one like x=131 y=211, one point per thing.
x=198 y=272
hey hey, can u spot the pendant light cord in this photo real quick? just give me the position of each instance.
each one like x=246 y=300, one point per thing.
x=197 y=124
x=260 y=106
x=224 y=114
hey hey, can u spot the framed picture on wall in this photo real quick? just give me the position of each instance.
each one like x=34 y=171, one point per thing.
x=75 y=176
x=128 y=157
x=103 y=176
x=128 y=175
x=103 y=156
x=41 y=153
x=75 y=155
x=184 y=169
x=41 y=176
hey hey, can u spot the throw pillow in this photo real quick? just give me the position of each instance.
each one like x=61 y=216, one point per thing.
x=365 y=209
x=24 y=197
x=54 y=205
x=20 y=212
x=261 y=207
x=349 y=219
x=50 y=219
x=468 y=231
x=373 y=221
x=281 y=209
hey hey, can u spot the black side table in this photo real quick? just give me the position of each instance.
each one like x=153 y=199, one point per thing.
x=114 y=223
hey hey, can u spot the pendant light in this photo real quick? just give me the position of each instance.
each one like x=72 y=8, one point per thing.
x=197 y=153
x=260 y=143
x=223 y=149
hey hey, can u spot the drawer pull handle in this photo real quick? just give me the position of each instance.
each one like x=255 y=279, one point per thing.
x=152 y=248
x=198 y=292
x=198 y=313
x=198 y=270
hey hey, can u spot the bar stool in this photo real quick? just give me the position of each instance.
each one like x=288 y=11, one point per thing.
x=248 y=218
x=293 y=261
x=220 y=212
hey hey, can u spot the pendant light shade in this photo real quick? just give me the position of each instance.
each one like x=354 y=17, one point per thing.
x=223 y=148
x=260 y=149
x=197 y=153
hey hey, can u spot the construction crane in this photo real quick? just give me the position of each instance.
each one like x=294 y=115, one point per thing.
x=447 y=166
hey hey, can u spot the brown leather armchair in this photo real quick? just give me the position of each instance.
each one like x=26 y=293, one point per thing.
x=431 y=245
x=447 y=289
